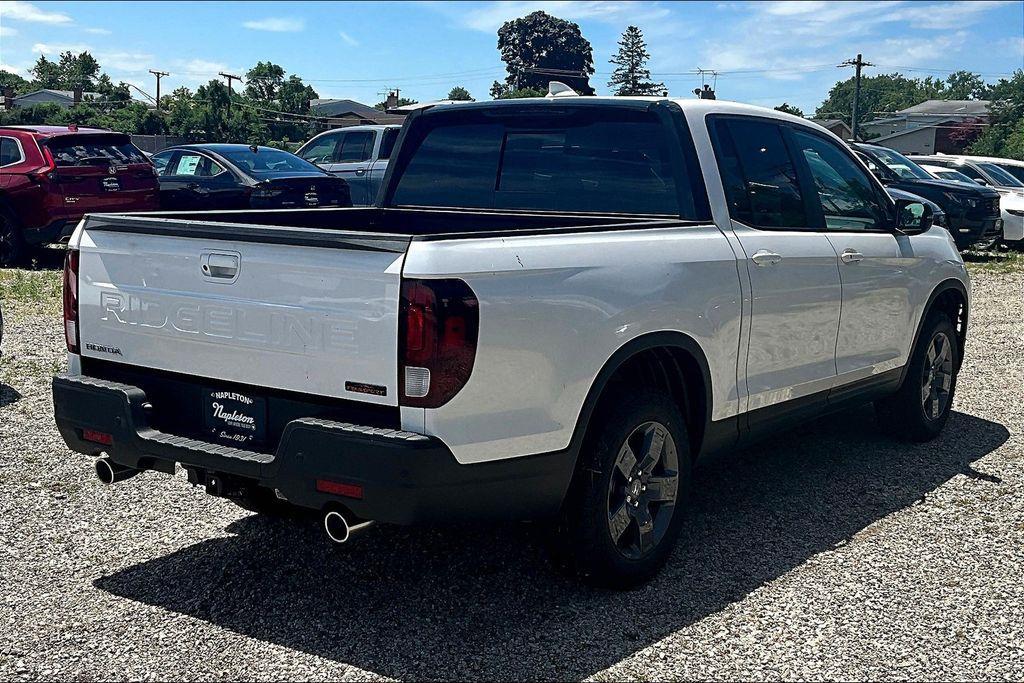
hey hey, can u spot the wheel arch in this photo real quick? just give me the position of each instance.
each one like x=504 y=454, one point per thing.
x=673 y=360
x=949 y=296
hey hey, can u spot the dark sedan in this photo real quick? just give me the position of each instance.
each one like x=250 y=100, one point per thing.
x=221 y=176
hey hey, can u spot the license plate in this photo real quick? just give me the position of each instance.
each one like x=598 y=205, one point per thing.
x=236 y=418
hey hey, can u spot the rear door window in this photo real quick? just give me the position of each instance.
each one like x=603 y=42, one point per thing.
x=610 y=161
x=94 y=150
x=387 y=143
x=758 y=174
x=10 y=152
x=355 y=146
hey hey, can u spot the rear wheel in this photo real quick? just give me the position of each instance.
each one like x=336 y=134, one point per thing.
x=921 y=407
x=627 y=500
x=12 y=246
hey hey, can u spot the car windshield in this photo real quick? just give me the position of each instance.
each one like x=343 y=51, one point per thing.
x=899 y=164
x=268 y=162
x=1014 y=170
x=94 y=150
x=1002 y=178
x=950 y=174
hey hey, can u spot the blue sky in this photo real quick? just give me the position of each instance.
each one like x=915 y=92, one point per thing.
x=766 y=52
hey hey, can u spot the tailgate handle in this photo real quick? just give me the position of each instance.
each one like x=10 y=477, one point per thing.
x=220 y=265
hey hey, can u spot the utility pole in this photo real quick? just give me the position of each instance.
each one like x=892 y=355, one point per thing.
x=159 y=75
x=230 y=78
x=859 y=63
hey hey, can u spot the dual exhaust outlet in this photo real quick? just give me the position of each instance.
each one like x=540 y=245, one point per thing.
x=339 y=525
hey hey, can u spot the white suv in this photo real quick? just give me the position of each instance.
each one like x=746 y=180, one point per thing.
x=557 y=307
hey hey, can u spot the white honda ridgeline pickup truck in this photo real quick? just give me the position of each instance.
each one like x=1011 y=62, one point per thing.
x=554 y=309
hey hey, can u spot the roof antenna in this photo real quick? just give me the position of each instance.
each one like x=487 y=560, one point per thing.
x=559 y=89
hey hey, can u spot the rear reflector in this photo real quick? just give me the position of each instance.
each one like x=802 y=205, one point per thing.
x=337 y=488
x=98 y=437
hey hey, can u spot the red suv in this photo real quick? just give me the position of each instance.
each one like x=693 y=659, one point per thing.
x=50 y=176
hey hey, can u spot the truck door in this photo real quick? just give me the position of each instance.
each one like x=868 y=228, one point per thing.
x=352 y=162
x=875 y=269
x=793 y=270
x=380 y=162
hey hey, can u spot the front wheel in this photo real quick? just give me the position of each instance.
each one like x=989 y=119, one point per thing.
x=628 y=496
x=921 y=407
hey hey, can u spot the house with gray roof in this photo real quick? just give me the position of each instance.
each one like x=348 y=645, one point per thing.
x=925 y=128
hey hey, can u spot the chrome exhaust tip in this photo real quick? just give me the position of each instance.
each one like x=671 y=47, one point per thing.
x=109 y=472
x=339 y=528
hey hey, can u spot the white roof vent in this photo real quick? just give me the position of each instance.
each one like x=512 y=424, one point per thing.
x=559 y=89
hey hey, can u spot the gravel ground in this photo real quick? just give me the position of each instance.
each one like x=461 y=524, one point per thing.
x=829 y=552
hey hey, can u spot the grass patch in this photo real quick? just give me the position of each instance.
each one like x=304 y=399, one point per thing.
x=31 y=286
x=999 y=263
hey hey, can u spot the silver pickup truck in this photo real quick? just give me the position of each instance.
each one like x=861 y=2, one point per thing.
x=359 y=154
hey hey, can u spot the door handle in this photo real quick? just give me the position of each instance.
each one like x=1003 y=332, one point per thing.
x=360 y=171
x=851 y=256
x=197 y=188
x=766 y=258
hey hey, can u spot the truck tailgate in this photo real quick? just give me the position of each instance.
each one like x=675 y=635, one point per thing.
x=313 y=317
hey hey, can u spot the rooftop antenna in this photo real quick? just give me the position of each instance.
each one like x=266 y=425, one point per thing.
x=559 y=89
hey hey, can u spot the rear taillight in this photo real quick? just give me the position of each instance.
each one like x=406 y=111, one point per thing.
x=71 y=300
x=439 y=322
x=43 y=173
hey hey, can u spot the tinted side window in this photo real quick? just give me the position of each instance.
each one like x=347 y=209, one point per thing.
x=758 y=174
x=387 y=143
x=355 y=146
x=161 y=161
x=453 y=166
x=10 y=153
x=973 y=173
x=847 y=197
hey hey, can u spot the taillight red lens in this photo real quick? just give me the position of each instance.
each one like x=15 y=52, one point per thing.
x=438 y=328
x=71 y=300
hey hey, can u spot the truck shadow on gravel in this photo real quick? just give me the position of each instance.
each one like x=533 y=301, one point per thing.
x=483 y=602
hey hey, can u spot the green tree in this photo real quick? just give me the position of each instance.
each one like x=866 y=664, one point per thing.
x=460 y=94
x=631 y=75
x=294 y=95
x=10 y=80
x=790 y=109
x=263 y=81
x=77 y=71
x=964 y=85
x=540 y=48
x=502 y=91
x=1005 y=135
x=45 y=74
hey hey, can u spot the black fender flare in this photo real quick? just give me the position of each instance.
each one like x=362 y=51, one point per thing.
x=946 y=285
x=645 y=342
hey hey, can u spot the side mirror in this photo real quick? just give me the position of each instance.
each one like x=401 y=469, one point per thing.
x=913 y=218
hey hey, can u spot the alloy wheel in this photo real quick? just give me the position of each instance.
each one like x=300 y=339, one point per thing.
x=642 y=490
x=937 y=377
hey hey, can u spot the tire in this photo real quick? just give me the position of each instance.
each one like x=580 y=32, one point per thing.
x=613 y=531
x=921 y=407
x=12 y=245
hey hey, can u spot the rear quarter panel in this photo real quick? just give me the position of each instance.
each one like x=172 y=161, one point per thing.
x=553 y=310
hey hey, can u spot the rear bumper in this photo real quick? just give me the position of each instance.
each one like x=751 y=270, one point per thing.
x=405 y=478
x=56 y=231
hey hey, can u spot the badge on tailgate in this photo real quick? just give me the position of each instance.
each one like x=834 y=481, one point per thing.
x=235 y=418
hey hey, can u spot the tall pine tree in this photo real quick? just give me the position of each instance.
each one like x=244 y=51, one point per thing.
x=631 y=75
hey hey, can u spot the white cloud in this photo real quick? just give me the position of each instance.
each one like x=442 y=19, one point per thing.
x=26 y=11
x=348 y=39
x=130 y=62
x=20 y=69
x=276 y=24
x=57 y=48
x=491 y=16
x=98 y=31
x=7 y=31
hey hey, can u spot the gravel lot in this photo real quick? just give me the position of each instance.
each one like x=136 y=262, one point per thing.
x=829 y=552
